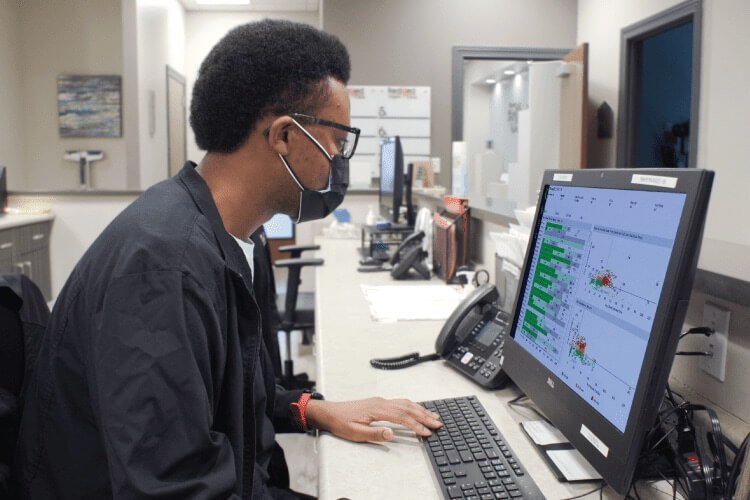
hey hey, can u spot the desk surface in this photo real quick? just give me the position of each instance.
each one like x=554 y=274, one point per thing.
x=346 y=339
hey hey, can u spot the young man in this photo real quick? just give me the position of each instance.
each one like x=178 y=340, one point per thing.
x=152 y=380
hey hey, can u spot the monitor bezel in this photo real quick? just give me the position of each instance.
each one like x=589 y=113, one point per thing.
x=391 y=205
x=563 y=406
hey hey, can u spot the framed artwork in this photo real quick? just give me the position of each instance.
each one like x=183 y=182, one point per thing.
x=89 y=105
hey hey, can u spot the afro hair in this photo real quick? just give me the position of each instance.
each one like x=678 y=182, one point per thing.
x=260 y=68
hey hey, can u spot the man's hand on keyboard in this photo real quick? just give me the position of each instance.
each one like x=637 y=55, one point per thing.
x=351 y=419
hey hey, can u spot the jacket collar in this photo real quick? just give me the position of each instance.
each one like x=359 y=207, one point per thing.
x=233 y=255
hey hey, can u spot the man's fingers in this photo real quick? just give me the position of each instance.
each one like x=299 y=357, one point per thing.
x=361 y=433
x=411 y=415
x=414 y=420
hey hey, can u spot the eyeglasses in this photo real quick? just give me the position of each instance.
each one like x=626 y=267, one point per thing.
x=346 y=145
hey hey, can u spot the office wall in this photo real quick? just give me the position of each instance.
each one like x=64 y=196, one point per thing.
x=11 y=93
x=161 y=42
x=71 y=37
x=204 y=29
x=393 y=42
x=78 y=222
x=724 y=107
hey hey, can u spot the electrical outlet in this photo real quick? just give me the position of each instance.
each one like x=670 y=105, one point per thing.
x=716 y=345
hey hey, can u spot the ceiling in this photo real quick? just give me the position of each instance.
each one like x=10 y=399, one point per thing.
x=256 y=6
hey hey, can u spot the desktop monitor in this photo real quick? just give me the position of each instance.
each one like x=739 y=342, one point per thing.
x=391 y=178
x=279 y=227
x=3 y=190
x=601 y=302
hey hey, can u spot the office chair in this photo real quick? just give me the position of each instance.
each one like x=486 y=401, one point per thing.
x=297 y=310
x=23 y=316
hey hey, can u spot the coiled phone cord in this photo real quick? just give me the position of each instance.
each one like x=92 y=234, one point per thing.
x=404 y=361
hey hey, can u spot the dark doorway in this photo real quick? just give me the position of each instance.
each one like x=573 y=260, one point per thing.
x=659 y=82
x=664 y=107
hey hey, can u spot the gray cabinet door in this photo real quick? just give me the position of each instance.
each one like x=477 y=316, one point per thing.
x=25 y=250
x=6 y=251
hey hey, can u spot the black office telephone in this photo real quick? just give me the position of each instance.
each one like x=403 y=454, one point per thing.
x=471 y=341
x=410 y=255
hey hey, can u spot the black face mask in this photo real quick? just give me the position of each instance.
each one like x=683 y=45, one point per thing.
x=314 y=204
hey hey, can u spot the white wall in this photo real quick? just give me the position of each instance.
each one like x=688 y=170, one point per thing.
x=204 y=30
x=724 y=108
x=78 y=222
x=397 y=42
x=11 y=93
x=70 y=37
x=161 y=42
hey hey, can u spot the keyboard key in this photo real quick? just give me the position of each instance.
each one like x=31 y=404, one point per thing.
x=515 y=494
x=460 y=473
x=488 y=496
x=483 y=491
x=466 y=456
x=501 y=494
x=449 y=480
x=453 y=457
x=454 y=492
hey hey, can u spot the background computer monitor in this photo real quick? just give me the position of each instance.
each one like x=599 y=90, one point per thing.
x=279 y=227
x=601 y=302
x=391 y=177
x=3 y=190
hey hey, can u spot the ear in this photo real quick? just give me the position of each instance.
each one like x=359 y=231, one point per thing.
x=278 y=134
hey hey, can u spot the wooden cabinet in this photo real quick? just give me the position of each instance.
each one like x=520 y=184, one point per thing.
x=24 y=249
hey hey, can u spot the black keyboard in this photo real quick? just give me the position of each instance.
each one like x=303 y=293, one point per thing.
x=470 y=457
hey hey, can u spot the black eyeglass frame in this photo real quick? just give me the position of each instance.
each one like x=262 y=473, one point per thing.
x=328 y=123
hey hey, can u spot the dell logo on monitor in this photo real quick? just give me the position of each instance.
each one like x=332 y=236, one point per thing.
x=550 y=382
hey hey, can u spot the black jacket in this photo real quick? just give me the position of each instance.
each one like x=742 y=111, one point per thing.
x=152 y=379
x=23 y=317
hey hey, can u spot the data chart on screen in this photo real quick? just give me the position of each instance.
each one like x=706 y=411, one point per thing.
x=596 y=273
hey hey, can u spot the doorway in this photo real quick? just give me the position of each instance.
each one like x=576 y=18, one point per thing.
x=659 y=89
x=176 y=121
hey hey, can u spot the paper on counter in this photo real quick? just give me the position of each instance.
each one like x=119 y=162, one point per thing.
x=412 y=302
x=572 y=465
x=542 y=433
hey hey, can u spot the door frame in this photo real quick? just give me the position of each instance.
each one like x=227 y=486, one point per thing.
x=630 y=40
x=460 y=54
x=174 y=75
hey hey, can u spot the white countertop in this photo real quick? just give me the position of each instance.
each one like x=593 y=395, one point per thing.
x=8 y=221
x=346 y=339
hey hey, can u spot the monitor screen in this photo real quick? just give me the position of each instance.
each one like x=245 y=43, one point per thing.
x=391 y=177
x=601 y=301
x=279 y=227
x=597 y=271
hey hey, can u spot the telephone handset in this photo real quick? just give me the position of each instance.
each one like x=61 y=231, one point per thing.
x=471 y=341
x=410 y=255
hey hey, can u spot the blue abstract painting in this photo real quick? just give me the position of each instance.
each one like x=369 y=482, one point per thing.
x=89 y=105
